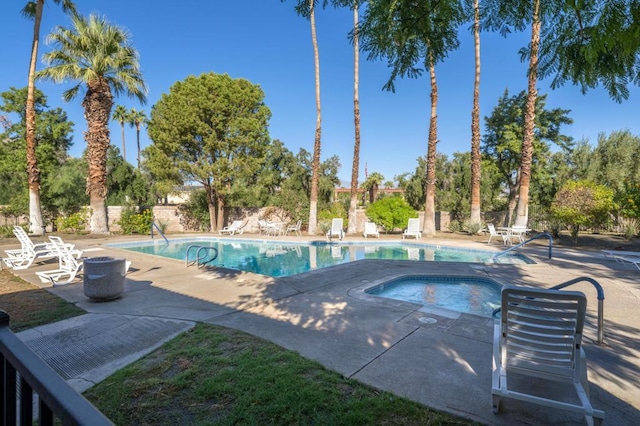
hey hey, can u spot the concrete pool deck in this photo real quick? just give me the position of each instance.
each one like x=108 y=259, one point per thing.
x=437 y=358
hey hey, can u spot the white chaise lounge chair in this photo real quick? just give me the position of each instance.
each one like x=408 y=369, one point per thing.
x=68 y=265
x=336 y=229
x=617 y=254
x=234 y=228
x=371 y=230
x=29 y=251
x=413 y=229
x=629 y=259
x=540 y=335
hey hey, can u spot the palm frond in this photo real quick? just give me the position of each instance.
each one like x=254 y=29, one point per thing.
x=70 y=94
x=94 y=49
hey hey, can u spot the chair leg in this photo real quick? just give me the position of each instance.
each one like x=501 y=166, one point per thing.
x=496 y=404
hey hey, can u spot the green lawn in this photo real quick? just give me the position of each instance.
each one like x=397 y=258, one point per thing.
x=214 y=375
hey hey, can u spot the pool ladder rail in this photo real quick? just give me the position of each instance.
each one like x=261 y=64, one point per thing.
x=155 y=225
x=541 y=235
x=203 y=255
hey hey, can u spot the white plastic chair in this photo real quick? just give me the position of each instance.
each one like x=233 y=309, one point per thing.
x=295 y=228
x=540 y=335
x=413 y=229
x=336 y=229
x=371 y=229
x=262 y=226
x=494 y=233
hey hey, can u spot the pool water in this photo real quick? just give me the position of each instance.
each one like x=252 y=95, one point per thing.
x=479 y=296
x=281 y=259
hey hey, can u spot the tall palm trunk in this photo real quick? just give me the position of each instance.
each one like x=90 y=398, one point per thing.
x=529 y=121
x=429 y=227
x=138 y=141
x=512 y=202
x=356 y=120
x=97 y=105
x=124 y=146
x=475 y=123
x=313 y=199
x=36 y=225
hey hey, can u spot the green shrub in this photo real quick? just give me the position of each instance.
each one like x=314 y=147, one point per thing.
x=473 y=228
x=555 y=226
x=194 y=214
x=6 y=231
x=391 y=213
x=131 y=222
x=75 y=222
x=455 y=226
x=582 y=203
x=630 y=227
x=163 y=225
x=323 y=226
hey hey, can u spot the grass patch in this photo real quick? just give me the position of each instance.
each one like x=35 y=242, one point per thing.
x=214 y=375
x=30 y=306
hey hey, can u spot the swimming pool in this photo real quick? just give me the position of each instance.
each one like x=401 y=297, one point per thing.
x=280 y=259
x=478 y=296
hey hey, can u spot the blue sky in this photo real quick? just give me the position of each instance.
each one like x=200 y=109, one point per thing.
x=265 y=42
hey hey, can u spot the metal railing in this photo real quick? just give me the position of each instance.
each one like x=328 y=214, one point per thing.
x=600 y=293
x=155 y=225
x=201 y=255
x=544 y=234
x=23 y=374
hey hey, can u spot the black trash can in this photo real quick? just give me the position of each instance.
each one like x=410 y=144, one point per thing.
x=104 y=278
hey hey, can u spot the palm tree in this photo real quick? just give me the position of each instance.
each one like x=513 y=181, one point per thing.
x=307 y=8
x=372 y=184
x=563 y=22
x=429 y=225
x=33 y=10
x=522 y=211
x=120 y=115
x=475 y=122
x=137 y=118
x=412 y=36
x=315 y=171
x=353 y=205
x=99 y=55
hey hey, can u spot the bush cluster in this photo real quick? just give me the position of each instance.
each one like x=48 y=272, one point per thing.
x=391 y=213
x=75 y=222
x=139 y=223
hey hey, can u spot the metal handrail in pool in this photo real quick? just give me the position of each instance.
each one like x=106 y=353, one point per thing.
x=599 y=291
x=543 y=234
x=153 y=224
x=199 y=258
